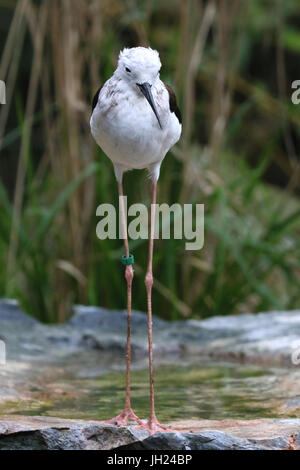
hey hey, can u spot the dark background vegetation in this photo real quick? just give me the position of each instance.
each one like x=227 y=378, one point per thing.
x=232 y=63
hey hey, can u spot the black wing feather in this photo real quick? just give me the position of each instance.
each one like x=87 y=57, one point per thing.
x=95 y=99
x=173 y=103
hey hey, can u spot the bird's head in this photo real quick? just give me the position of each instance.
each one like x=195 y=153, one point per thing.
x=139 y=68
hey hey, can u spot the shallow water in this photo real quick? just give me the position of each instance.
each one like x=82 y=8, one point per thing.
x=210 y=391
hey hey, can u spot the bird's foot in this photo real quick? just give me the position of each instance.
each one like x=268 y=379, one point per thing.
x=123 y=418
x=153 y=426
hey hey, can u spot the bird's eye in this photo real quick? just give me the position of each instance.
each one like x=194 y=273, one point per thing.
x=127 y=69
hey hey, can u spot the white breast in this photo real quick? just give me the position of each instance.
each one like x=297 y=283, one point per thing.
x=125 y=127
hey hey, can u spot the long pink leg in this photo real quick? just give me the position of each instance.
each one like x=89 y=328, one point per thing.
x=127 y=414
x=152 y=424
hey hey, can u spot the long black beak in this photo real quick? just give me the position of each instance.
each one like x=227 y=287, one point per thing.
x=146 y=90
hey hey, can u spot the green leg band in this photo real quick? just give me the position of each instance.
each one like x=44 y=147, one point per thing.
x=127 y=261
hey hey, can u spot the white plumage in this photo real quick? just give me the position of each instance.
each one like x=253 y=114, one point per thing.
x=123 y=123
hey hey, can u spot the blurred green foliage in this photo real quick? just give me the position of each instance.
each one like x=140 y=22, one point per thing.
x=232 y=64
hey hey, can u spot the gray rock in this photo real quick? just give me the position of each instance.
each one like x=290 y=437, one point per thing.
x=10 y=311
x=110 y=320
x=210 y=440
x=43 y=433
x=266 y=338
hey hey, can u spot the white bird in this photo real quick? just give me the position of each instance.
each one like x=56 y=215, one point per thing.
x=136 y=121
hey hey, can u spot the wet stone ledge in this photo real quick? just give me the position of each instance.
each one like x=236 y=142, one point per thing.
x=40 y=358
x=44 y=433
